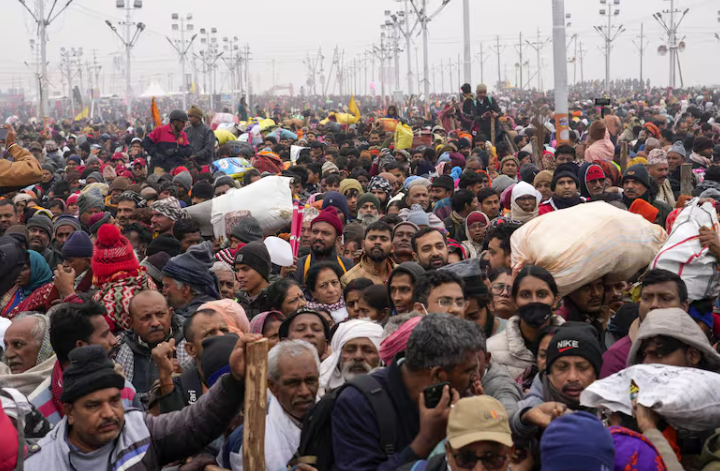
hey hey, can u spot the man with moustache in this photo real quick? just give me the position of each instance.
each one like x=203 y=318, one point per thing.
x=98 y=432
x=355 y=347
x=585 y=304
x=430 y=248
x=128 y=202
x=375 y=264
x=574 y=360
x=153 y=322
x=402 y=249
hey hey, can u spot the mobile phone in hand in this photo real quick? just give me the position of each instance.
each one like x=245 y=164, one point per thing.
x=3 y=134
x=433 y=394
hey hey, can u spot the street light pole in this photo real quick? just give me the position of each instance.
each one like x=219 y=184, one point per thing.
x=43 y=23
x=466 y=35
x=562 y=130
x=181 y=48
x=129 y=42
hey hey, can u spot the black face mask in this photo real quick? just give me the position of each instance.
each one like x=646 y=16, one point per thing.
x=535 y=314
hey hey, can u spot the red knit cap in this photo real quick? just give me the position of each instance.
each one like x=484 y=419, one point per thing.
x=594 y=172
x=329 y=215
x=113 y=253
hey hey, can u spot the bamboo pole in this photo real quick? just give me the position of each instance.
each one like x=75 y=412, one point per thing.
x=686 y=179
x=253 y=449
x=492 y=131
x=624 y=157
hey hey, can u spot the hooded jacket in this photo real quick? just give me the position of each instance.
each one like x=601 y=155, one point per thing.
x=408 y=268
x=473 y=248
x=147 y=442
x=508 y=347
x=677 y=324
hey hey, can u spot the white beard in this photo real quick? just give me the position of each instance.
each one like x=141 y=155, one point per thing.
x=367 y=219
x=349 y=375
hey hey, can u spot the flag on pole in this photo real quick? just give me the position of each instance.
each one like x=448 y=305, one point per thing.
x=83 y=114
x=353 y=108
x=155 y=114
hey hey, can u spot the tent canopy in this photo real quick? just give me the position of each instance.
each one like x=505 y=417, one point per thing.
x=154 y=90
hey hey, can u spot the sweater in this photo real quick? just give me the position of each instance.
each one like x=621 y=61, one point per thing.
x=23 y=171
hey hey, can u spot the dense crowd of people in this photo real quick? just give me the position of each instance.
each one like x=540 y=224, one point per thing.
x=404 y=335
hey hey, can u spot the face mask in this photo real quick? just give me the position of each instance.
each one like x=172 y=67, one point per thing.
x=535 y=314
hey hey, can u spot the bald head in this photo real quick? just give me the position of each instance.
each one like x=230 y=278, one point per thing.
x=150 y=317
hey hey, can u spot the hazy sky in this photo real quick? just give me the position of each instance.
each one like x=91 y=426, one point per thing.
x=281 y=33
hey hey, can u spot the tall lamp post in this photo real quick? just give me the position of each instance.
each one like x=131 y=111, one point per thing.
x=182 y=46
x=128 y=41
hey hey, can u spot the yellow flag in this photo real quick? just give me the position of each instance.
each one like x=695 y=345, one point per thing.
x=83 y=114
x=193 y=88
x=353 y=108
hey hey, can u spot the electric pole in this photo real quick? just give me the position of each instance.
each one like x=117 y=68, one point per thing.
x=43 y=22
x=560 y=71
x=606 y=32
x=538 y=46
x=641 y=47
x=673 y=47
x=423 y=20
x=181 y=48
x=466 y=40
x=581 y=53
x=482 y=63
x=498 y=50
x=128 y=41
x=519 y=49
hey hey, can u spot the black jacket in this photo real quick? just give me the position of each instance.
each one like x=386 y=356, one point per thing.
x=482 y=107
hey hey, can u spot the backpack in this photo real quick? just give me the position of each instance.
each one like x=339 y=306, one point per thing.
x=316 y=438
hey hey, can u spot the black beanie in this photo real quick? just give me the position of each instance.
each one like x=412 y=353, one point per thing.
x=164 y=243
x=256 y=256
x=215 y=360
x=568 y=169
x=637 y=172
x=577 y=340
x=90 y=370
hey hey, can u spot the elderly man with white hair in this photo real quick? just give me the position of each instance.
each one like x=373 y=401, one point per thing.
x=657 y=167
x=28 y=353
x=293 y=367
x=355 y=347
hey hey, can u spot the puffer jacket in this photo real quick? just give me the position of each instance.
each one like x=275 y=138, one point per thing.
x=23 y=171
x=508 y=347
x=147 y=442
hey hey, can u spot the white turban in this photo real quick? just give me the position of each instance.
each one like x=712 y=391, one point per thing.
x=330 y=375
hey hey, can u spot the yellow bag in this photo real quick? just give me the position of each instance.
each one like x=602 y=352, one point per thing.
x=403 y=137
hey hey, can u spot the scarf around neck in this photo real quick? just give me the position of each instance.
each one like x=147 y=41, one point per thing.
x=552 y=394
x=564 y=203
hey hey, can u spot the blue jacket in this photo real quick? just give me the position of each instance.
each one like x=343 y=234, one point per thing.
x=356 y=439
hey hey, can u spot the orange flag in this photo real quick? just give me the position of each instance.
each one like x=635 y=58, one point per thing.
x=155 y=114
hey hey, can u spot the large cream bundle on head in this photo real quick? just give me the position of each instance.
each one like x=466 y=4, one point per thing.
x=586 y=242
x=269 y=200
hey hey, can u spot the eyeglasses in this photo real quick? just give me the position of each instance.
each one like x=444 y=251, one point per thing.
x=447 y=303
x=500 y=288
x=468 y=460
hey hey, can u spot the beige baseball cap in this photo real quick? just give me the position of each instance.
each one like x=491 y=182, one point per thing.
x=478 y=419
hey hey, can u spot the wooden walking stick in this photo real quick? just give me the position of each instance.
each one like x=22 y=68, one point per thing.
x=492 y=131
x=253 y=448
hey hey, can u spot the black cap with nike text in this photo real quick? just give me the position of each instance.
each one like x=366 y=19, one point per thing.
x=578 y=340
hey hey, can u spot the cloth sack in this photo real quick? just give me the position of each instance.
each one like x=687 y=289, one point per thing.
x=580 y=244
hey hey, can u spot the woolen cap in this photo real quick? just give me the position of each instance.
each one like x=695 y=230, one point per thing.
x=90 y=370
x=329 y=215
x=637 y=172
x=41 y=222
x=478 y=419
x=577 y=442
x=578 y=340
x=77 y=245
x=256 y=256
x=113 y=253
x=568 y=169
